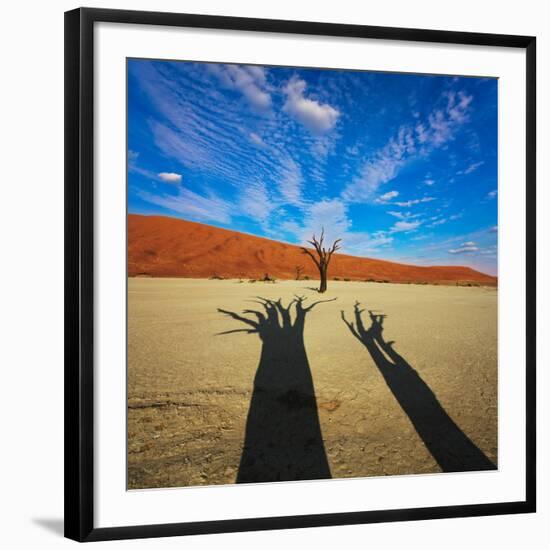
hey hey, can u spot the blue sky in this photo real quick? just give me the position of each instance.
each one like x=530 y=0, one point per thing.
x=401 y=167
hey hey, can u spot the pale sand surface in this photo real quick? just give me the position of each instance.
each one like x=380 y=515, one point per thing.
x=189 y=388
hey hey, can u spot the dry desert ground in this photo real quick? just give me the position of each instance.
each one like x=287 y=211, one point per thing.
x=404 y=382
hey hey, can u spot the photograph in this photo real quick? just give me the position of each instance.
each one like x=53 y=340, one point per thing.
x=312 y=273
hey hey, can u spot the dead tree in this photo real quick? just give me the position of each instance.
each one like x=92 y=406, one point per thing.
x=299 y=269
x=323 y=258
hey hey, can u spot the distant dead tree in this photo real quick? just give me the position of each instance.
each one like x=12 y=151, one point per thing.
x=323 y=258
x=299 y=269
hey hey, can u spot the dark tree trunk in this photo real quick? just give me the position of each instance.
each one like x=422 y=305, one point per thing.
x=323 y=258
x=323 y=283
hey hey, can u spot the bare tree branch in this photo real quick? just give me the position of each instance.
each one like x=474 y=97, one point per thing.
x=306 y=251
x=324 y=256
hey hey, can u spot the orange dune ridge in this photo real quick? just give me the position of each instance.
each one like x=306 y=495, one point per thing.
x=160 y=246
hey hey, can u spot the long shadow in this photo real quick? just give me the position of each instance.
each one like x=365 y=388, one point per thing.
x=283 y=440
x=448 y=444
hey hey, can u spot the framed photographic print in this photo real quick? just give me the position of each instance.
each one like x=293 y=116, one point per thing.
x=300 y=274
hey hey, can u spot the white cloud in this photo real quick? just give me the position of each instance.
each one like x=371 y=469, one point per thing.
x=292 y=227
x=403 y=215
x=386 y=197
x=189 y=146
x=429 y=181
x=257 y=72
x=409 y=203
x=439 y=128
x=442 y=122
x=457 y=106
x=490 y=251
x=256 y=139
x=316 y=117
x=255 y=202
x=359 y=243
x=492 y=194
x=405 y=226
x=331 y=214
x=169 y=177
x=381 y=168
x=135 y=168
x=409 y=143
x=422 y=134
x=192 y=205
x=437 y=222
x=494 y=229
x=249 y=80
x=465 y=248
x=290 y=184
x=473 y=167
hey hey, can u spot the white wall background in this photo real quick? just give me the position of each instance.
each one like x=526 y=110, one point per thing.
x=31 y=289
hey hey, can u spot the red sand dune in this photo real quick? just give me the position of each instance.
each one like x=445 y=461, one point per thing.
x=160 y=246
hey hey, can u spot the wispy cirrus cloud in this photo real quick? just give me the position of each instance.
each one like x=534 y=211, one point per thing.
x=405 y=225
x=472 y=167
x=204 y=136
x=290 y=185
x=134 y=167
x=465 y=248
x=442 y=122
x=436 y=221
x=403 y=215
x=192 y=205
x=256 y=139
x=256 y=202
x=381 y=168
x=332 y=215
x=249 y=80
x=412 y=202
x=409 y=143
x=387 y=197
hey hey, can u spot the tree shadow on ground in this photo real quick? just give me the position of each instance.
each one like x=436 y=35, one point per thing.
x=448 y=444
x=283 y=440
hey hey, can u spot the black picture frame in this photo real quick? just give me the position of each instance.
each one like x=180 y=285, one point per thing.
x=79 y=269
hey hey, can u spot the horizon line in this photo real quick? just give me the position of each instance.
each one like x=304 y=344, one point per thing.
x=300 y=246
